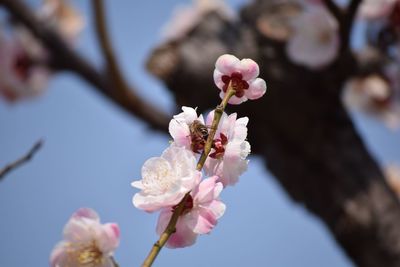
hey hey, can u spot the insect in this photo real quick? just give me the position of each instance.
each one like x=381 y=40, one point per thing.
x=198 y=135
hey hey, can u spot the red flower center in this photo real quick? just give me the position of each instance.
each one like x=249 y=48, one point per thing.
x=237 y=83
x=219 y=147
x=188 y=206
x=22 y=66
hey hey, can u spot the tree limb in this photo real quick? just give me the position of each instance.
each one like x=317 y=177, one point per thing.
x=346 y=25
x=64 y=58
x=334 y=9
x=24 y=159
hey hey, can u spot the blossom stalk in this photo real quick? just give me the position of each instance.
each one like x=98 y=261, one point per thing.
x=171 y=227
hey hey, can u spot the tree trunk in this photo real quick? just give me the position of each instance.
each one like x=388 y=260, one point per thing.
x=299 y=127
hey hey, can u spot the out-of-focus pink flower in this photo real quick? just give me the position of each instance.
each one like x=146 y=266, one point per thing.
x=166 y=179
x=182 y=129
x=242 y=75
x=374 y=95
x=230 y=149
x=392 y=174
x=202 y=210
x=21 y=74
x=375 y=9
x=63 y=17
x=185 y=18
x=315 y=41
x=86 y=242
x=274 y=22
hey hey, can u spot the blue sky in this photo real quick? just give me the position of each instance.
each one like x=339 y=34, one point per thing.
x=93 y=151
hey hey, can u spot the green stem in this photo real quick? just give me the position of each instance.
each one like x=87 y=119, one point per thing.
x=170 y=229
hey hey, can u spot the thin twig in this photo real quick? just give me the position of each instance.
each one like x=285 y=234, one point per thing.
x=105 y=44
x=63 y=57
x=27 y=157
x=114 y=262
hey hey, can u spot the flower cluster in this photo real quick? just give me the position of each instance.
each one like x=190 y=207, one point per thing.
x=172 y=183
x=86 y=242
x=24 y=72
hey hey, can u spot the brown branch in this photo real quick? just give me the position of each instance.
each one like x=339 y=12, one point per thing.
x=27 y=157
x=64 y=58
x=114 y=71
x=346 y=25
x=105 y=43
x=334 y=9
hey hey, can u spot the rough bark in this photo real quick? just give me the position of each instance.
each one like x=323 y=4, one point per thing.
x=300 y=128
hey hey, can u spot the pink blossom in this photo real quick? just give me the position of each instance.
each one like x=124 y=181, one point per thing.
x=166 y=179
x=373 y=94
x=242 y=75
x=63 y=17
x=315 y=40
x=186 y=17
x=20 y=75
x=230 y=149
x=180 y=129
x=392 y=174
x=376 y=9
x=202 y=210
x=86 y=242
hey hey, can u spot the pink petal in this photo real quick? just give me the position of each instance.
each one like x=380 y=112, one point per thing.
x=240 y=130
x=227 y=64
x=256 y=89
x=151 y=203
x=190 y=114
x=231 y=173
x=249 y=69
x=180 y=132
x=78 y=228
x=183 y=236
x=217 y=189
x=201 y=221
x=108 y=239
x=86 y=213
x=58 y=253
x=234 y=100
x=213 y=166
x=163 y=219
x=217 y=207
x=218 y=79
x=205 y=191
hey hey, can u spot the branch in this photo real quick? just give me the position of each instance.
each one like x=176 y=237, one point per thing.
x=105 y=44
x=171 y=227
x=27 y=157
x=64 y=58
x=334 y=9
x=122 y=89
x=346 y=25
